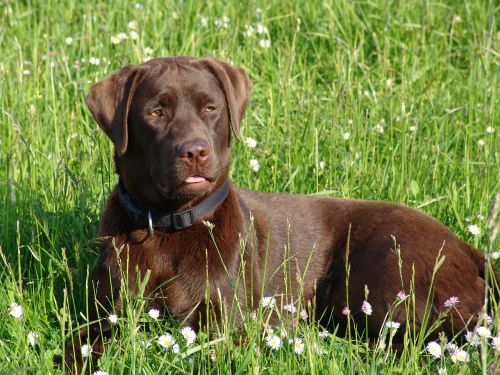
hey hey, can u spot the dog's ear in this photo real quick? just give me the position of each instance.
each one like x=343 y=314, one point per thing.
x=237 y=87
x=109 y=101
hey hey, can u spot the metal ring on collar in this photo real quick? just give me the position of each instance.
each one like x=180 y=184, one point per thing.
x=150 y=224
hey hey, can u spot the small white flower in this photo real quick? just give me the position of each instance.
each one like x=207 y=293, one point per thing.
x=379 y=128
x=249 y=30
x=132 y=25
x=472 y=338
x=26 y=72
x=86 y=350
x=254 y=165
x=366 y=308
x=485 y=317
x=457 y=19
x=495 y=255
x=481 y=142
x=451 y=347
x=434 y=349
x=303 y=314
x=474 y=229
x=452 y=301
x=490 y=130
x=495 y=342
x=148 y=51
x=261 y=29
x=250 y=142
x=274 y=342
x=346 y=311
x=138 y=6
x=167 y=341
x=189 y=334
x=442 y=371
x=290 y=308
x=32 y=336
x=16 y=310
x=401 y=295
x=322 y=165
x=324 y=333
x=346 y=136
x=298 y=345
x=100 y=372
x=460 y=355
x=115 y=40
x=113 y=319
x=269 y=302
x=69 y=40
x=265 y=43
x=154 y=313
x=133 y=35
x=393 y=326
x=122 y=36
x=412 y=128
x=203 y=20
x=94 y=61
x=483 y=332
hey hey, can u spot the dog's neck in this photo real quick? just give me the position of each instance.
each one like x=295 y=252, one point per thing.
x=146 y=217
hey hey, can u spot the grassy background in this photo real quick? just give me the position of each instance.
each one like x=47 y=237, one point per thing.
x=426 y=72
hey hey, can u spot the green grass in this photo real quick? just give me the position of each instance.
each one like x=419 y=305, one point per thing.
x=427 y=72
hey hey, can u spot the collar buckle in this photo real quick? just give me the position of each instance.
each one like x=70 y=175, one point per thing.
x=181 y=220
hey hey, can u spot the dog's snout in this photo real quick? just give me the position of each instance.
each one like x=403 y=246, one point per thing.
x=198 y=149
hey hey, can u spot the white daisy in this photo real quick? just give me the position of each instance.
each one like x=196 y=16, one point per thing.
x=254 y=165
x=474 y=229
x=16 y=310
x=290 y=308
x=366 y=308
x=113 y=319
x=434 y=349
x=303 y=314
x=167 y=341
x=274 y=342
x=393 y=326
x=460 y=355
x=189 y=334
x=298 y=345
x=250 y=142
x=483 y=332
x=86 y=350
x=265 y=43
x=452 y=301
x=268 y=302
x=32 y=336
x=495 y=342
x=154 y=313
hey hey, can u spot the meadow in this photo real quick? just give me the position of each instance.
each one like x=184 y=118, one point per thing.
x=387 y=100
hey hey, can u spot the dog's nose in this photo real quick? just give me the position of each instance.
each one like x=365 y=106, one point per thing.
x=198 y=149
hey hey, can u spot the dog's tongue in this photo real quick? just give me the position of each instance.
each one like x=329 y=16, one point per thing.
x=194 y=179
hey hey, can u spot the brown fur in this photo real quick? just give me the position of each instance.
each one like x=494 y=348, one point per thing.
x=314 y=234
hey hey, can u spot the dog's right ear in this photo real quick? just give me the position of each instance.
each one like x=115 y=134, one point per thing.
x=109 y=101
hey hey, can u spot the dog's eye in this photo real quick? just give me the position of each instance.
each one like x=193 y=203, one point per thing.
x=210 y=108
x=156 y=113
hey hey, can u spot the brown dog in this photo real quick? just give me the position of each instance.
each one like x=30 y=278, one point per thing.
x=170 y=120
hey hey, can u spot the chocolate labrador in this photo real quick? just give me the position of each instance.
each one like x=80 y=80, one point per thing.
x=204 y=243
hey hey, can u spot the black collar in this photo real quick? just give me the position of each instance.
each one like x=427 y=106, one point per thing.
x=146 y=218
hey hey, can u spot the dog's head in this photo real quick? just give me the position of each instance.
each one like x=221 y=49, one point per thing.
x=170 y=120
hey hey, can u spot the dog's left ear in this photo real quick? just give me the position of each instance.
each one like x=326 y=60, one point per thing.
x=237 y=87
